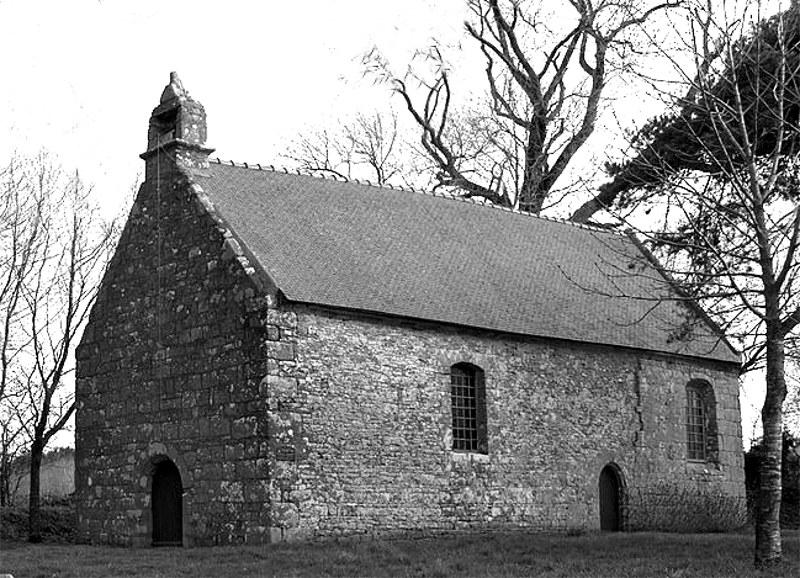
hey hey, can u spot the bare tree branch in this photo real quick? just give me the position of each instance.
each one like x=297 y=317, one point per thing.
x=532 y=82
x=721 y=171
x=58 y=247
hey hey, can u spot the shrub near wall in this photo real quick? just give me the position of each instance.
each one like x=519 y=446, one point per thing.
x=57 y=521
x=678 y=508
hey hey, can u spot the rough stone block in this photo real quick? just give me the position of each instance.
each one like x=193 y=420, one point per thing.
x=278 y=388
x=281 y=351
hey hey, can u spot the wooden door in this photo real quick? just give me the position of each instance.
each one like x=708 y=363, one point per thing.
x=167 y=504
x=609 y=500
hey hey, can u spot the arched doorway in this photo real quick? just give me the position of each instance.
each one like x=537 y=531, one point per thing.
x=610 y=498
x=167 y=505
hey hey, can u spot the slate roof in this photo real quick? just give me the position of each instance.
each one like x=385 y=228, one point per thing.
x=423 y=256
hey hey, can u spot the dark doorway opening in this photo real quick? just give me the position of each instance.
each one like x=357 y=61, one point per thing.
x=610 y=499
x=167 y=504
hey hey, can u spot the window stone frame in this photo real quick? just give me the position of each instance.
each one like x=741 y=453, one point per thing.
x=701 y=391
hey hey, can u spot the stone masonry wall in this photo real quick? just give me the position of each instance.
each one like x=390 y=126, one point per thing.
x=169 y=368
x=289 y=421
x=360 y=431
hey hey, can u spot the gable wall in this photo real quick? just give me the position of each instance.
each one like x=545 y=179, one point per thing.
x=360 y=432
x=165 y=371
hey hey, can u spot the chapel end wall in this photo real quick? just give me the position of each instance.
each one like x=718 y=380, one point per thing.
x=360 y=431
x=169 y=368
x=710 y=494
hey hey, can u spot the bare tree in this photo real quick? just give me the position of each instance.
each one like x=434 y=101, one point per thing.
x=65 y=245
x=20 y=210
x=546 y=73
x=370 y=147
x=720 y=175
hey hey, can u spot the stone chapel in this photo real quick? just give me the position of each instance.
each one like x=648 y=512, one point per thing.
x=275 y=356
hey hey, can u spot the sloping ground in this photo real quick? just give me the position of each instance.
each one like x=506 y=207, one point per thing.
x=57 y=480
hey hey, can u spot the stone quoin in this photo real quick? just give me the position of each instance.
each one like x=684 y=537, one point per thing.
x=275 y=356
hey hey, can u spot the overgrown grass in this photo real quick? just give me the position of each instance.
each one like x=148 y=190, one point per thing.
x=498 y=555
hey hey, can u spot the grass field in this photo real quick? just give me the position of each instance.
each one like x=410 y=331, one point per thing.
x=617 y=555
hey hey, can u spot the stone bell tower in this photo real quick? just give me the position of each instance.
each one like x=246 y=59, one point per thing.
x=177 y=134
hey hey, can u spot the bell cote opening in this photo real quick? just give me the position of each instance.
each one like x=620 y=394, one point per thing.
x=163 y=126
x=177 y=131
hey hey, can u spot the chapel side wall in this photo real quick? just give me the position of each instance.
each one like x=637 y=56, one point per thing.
x=360 y=430
x=169 y=368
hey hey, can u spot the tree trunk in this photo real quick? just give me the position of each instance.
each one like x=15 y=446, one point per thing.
x=605 y=197
x=5 y=480
x=768 y=500
x=532 y=195
x=34 y=517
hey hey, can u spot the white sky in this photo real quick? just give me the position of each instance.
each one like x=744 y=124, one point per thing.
x=80 y=77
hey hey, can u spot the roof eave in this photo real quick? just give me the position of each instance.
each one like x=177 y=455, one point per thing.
x=685 y=297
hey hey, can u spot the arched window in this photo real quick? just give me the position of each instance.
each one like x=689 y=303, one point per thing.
x=701 y=422
x=468 y=405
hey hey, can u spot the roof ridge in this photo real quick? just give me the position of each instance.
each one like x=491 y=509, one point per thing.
x=321 y=174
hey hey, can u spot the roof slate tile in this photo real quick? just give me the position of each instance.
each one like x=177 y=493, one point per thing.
x=423 y=256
